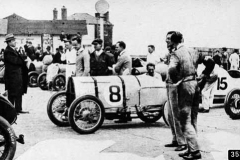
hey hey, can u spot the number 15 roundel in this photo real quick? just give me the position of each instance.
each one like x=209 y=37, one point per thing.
x=113 y=95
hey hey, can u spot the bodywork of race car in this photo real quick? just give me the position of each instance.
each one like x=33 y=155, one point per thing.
x=91 y=99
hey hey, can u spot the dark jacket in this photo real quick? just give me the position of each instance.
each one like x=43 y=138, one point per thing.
x=16 y=72
x=57 y=58
x=31 y=53
x=99 y=64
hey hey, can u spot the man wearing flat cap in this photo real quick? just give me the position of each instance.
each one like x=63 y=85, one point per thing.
x=100 y=60
x=16 y=74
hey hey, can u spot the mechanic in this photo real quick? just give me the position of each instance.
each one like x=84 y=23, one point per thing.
x=183 y=61
x=71 y=54
x=99 y=60
x=151 y=71
x=83 y=59
x=124 y=61
x=173 y=110
x=16 y=74
x=208 y=79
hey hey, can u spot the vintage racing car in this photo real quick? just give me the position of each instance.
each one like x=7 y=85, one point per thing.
x=88 y=100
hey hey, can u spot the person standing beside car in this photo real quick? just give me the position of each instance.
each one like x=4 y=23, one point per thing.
x=16 y=74
x=99 y=60
x=183 y=62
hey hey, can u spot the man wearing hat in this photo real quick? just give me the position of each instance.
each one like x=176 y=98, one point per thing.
x=100 y=60
x=16 y=74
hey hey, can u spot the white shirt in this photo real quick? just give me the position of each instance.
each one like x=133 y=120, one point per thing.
x=98 y=53
x=153 y=58
x=234 y=59
x=71 y=56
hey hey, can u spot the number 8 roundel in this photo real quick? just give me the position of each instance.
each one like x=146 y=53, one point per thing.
x=113 y=94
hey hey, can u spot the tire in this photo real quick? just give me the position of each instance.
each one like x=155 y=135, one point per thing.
x=42 y=81
x=58 y=114
x=7 y=140
x=32 y=79
x=149 y=119
x=59 y=82
x=87 y=114
x=165 y=113
x=232 y=104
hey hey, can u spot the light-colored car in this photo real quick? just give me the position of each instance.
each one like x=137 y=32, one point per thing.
x=89 y=100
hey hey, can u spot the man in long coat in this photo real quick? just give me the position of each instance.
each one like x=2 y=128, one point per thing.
x=16 y=74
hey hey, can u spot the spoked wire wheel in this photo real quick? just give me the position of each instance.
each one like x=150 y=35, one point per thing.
x=32 y=76
x=59 y=82
x=42 y=81
x=232 y=104
x=7 y=140
x=57 y=109
x=86 y=114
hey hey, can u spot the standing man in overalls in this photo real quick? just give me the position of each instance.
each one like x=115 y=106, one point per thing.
x=182 y=61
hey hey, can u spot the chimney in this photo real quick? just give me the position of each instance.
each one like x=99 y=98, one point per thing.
x=106 y=16
x=64 y=13
x=55 y=14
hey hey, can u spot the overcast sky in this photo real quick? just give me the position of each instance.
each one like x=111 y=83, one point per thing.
x=204 y=23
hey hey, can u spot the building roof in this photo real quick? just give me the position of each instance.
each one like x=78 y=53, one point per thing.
x=85 y=16
x=19 y=25
x=3 y=26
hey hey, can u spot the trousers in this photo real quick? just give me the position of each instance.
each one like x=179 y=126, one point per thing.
x=16 y=101
x=173 y=115
x=188 y=94
x=207 y=95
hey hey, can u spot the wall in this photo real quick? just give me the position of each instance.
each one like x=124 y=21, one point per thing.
x=87 y=39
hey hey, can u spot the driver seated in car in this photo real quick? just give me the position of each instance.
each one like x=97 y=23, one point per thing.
x=151 y=71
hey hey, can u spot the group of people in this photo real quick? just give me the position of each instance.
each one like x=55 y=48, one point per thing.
x=182 y=87
x=226 y=60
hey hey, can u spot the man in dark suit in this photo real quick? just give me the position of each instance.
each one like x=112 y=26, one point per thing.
x=16 y=74
x=100 y=60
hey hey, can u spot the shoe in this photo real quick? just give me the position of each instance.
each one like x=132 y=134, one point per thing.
x=193 y=155
x=173 y=144
x=181 y=148
x=184 y=153
x=22 y=112
x=204 y=111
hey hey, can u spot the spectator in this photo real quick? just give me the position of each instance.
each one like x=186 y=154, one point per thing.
x=124 y=60
x=71 y=54
x=38 y=53
x=99 y=60
x=234 y=60
x=47 y=52
x=16 y=74
x=217 y=58
x=225 y=58
x=62 y=36
x=83 y=59
x=152 y=56
x=31 y=51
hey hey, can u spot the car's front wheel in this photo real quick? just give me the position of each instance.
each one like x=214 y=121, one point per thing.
x=232 y=104
x=86 y=114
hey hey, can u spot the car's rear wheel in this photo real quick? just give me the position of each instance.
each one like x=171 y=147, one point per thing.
x=32 y=79
x=165 y=113
x=149 y=116
x=86 y=114
x=232 y=104
x=59 y=82
x=42 y=81
x=57 y=109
